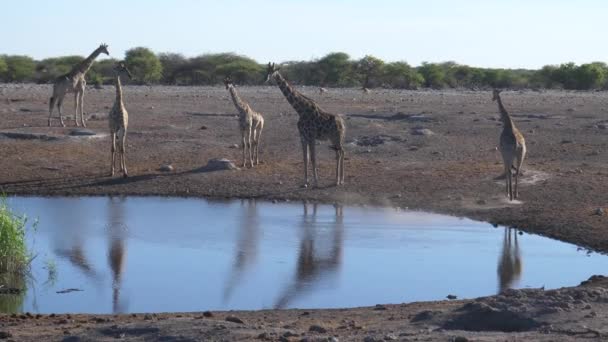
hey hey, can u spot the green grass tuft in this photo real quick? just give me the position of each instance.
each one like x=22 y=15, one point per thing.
x=14 y=255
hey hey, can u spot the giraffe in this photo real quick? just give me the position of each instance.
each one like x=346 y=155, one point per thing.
x=73 y=82
x=314 y=124
x=251 y=124
x=512 y=146
x=119 y=120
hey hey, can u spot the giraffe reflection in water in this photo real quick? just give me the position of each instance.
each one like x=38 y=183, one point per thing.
x=509 y=264
x=70 y=235
x=117 y=231
x=246 y=247
x=316 y=261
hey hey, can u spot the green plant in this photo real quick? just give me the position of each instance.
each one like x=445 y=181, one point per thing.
x=14 y=256
x=144 y=65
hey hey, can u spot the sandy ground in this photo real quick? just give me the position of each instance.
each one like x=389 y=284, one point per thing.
x=426 y=150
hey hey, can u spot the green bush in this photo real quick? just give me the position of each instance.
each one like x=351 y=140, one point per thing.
x=19 y=69
x=401 y=75
x=3 y=68
x=51 y=68
x=14 y=255
x=144 y=65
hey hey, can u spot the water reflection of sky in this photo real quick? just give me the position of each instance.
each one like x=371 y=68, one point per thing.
x=171 y=254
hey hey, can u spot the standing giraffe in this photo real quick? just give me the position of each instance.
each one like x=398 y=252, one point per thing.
x=512 y=147
x=251 y=124
x=119 y=120
x=73 y=82
x=314 y=124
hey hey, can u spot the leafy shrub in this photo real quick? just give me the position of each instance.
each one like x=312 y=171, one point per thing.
x=144 y=65
x=19 y=69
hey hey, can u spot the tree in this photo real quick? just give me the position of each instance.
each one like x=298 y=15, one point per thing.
x=173 y=64
x=51 y=68
x=144 y=65
x=102 y=71
x=434 y=76
x=3 y=67
x=369 y=68
x=591 y=76
x=401 y=75
x=336 y=68
x=19 y=68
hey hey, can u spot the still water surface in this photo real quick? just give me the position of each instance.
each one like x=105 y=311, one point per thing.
x=144 y=254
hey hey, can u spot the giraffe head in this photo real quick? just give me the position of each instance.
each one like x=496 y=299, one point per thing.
x=121 y=67
x=227 y=82
x=103 y=48
x=495 y=94
x=270 y=70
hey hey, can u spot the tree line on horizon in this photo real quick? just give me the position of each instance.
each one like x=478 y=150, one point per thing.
x=336 y=69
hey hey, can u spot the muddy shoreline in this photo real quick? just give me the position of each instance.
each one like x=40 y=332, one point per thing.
x=420 y=150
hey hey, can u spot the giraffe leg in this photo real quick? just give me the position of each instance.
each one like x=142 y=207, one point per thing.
x=342 y=167
x=250 y=153
x=123 y=161
x=337 y=167
x=257 y=144
x=244 y=145
x=313 y=158
x=76 y=106
x=521 y=154
x=81 y=103
x=52 y=102
x=113 y=149
x=305 y=155
x=59 y=108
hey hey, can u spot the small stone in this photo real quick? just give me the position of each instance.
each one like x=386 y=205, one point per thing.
x=203 y=127
x=233 y=146
x=234 y=319
x=166 y=168
x=207 y=314
x=481 y=202
x=599 y=212
x=317 y=328
x=79 y=132
x=379 y=307
x=390 y=337
x=422 y=131
x=219 y=164
x=451 y=296
x=460 y=339
x=602 y=126
x=289 y=334
x=567 y=141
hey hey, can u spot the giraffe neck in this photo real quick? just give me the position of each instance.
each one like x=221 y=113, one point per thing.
x=238 y=103
x=118 y=89
x=293 y=96
x=504 y=115
x=85 y=65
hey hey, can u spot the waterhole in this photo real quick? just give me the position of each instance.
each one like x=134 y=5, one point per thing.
x=153 y=254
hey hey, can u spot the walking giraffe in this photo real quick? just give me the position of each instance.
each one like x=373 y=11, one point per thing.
x=73 y=82
x=314 y=124
x=119 y=121
x=512 y=147
x=251 y=124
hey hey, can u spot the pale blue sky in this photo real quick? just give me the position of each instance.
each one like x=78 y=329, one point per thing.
x=490 y=33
